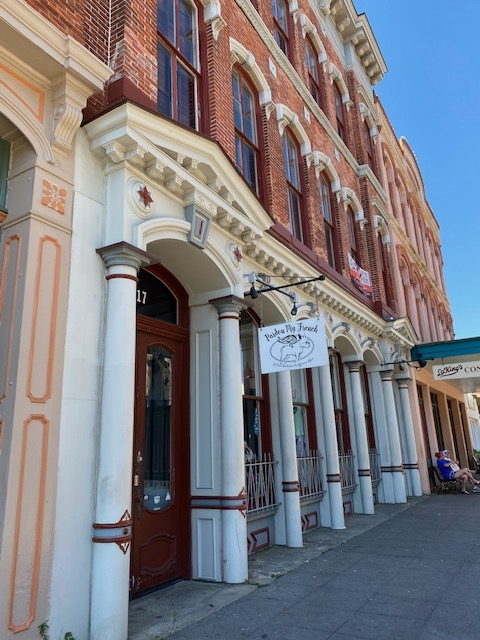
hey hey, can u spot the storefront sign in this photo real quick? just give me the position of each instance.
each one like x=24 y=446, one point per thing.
x=457 y=370
x=293 y=345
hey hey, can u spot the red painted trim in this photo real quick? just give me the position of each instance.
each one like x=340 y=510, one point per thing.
x=127 y=276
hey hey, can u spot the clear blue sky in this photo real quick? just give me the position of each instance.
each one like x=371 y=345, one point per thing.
x=431 y=94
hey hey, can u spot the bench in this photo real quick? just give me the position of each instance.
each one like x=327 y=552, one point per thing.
x=443 y=485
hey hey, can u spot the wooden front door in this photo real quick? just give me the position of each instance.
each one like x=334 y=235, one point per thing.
x=161 y=486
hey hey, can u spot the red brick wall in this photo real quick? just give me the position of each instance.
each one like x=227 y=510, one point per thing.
x=128 y=43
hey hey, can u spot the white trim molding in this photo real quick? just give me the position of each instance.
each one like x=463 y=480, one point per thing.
x=336 y=76
x=240 y=55
x=287 y=118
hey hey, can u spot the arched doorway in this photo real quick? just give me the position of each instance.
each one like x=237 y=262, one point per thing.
x=161 y=460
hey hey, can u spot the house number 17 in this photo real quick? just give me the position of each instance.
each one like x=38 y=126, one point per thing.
x=141 y=296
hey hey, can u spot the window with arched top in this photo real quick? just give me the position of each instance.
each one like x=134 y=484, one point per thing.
x=383 y=258
x=293 y=162
x=330 y=229
x=280 y=25
x=247 y=125
x=178 y=76
x=315 y=73
x=340 y=115
x=353 y=236
x=368 y=146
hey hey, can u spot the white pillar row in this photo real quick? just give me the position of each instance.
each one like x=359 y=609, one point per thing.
x=412 y=456
x=364 y=473
x=393 y=436
x=290 y=484
x=113 y=521
x=234 y=506
x=334 y=479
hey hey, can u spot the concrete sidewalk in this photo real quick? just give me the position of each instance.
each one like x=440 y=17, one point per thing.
x=407 y=572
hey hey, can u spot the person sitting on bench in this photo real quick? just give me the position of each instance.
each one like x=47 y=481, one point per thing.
x=444 y=466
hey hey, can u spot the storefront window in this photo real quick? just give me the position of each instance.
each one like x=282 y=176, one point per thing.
x=339 y=403
x=252 y=388
x=257 y=441
x=303 y=419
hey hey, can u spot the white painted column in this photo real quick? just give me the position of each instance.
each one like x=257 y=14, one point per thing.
x=393 y=437
x=364 y=473
x=113 y=521
x=412 y=457
x=331 y=450
x=290 y=484
x=234 y=521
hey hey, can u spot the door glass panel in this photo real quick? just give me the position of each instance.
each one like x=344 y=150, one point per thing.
x=157 y=488
x=154 y=299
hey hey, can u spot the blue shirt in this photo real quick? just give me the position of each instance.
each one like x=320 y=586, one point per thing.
x=445 y=470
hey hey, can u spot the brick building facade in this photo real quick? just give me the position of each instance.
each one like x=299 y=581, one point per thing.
x=175 y=177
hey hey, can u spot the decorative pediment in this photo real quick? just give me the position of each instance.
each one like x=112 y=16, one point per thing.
x=350 y=198
x=336 y=76
x=287 y=118
x=322 y=162
x=240 y=55
x=310 y=30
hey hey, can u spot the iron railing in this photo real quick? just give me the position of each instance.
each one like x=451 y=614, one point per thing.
x=347 y=471
x=260 y=485
x=375 y=466
x=309 y=475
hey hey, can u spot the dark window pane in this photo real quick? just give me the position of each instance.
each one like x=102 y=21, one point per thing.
x=326 y=210
x=311 y=62
x=351 y=230
x=280 y=13
x=157 y=482
x=245 y=130
x=329 y=243
x=238 y=154
x=291 y=162
x=250 y=166
x=164 y=90
x=248 y=114
x=154 y=299
x=280 y=40
x=186 y=97
x=294 y=213
x=237 y=112
x=166 y=19
x=186 y=30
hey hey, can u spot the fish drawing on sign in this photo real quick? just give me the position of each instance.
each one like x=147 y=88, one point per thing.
x=294 y=348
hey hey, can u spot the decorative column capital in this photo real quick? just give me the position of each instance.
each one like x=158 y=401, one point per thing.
x=386 y=375
x=403 y=381
x=353 y=365
x=230 y=305
x=125 y=254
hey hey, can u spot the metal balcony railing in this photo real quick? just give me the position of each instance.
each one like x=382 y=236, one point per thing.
x=347 y=471
x=375 y=466
x=260 y=485
x=309 y=475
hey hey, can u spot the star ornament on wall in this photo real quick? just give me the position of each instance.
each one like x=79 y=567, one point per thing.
x=145 y=197
x=237 y=254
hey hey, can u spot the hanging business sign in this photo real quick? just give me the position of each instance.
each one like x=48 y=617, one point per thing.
x=456 y=370
x=293 y=345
